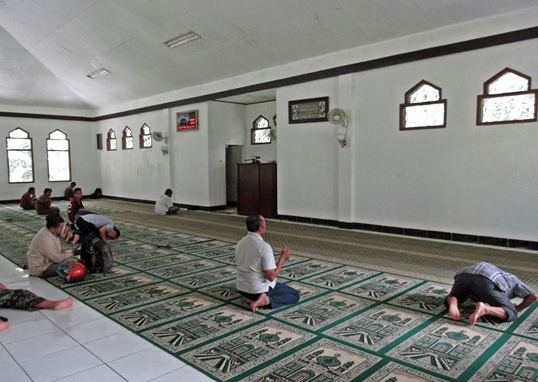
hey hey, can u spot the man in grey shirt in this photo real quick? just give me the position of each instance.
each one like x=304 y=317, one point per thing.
x=101 y=226
x=487 y=284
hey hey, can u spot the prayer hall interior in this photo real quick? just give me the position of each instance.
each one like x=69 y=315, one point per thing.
x=399 y=136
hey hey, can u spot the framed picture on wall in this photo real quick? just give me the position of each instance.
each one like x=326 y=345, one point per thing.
x=99 y=141
x=187 y=120
x=308 y=110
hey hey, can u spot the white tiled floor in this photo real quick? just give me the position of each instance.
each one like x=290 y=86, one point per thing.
x=76 y=344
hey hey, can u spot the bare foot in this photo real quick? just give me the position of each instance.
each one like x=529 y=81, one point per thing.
x=263 y=300
x=479 y=311
x=75 y=239
x=454 y=313
x=4 y=325
x=453 y=310
x=59 y=305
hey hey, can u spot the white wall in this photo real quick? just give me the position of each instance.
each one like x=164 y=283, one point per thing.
x=189 y=158
x=226 y=127
x=465 y=178
x=479 y=180
x=307 y=156
x=137 y=173
x=84 y=163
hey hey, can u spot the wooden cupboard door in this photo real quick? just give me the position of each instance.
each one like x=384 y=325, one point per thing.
x=268 y=190
x=248 y=189
x=256 y=189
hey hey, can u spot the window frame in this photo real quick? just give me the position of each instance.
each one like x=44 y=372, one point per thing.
x=142 y=135
x=486 y=95
x=68 y=156
x=407 y=103
x=31 y=150
x=255 y=129
x=126 y=136
x=111 y=136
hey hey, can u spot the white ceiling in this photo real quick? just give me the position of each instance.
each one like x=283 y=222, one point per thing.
x=47 y=47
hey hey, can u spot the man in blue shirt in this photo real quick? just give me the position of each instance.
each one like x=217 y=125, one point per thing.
x=487 y=284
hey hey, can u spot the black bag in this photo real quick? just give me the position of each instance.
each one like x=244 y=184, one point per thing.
x=96 y=255
x=96 y=194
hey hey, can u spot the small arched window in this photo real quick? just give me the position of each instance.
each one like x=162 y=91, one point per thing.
x=128 y=142
x=423 y=108
x=260 y=133
x=20 y=157
x=145 y=137
x=111 y=144
x=507 y=98
x=58 y=157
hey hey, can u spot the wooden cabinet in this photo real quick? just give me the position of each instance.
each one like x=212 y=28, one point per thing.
x=256 y=189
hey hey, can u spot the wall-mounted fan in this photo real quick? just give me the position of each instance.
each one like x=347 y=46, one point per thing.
x=337 y=116
x=159 y=137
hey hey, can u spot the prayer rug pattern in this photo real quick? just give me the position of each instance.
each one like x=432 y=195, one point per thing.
x=445 y=347
x=177 y=290
x=517 y=360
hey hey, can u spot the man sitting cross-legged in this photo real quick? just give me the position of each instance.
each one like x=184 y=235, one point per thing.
x=257 y=271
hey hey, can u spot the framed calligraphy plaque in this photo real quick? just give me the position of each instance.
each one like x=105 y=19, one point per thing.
x=308 y=110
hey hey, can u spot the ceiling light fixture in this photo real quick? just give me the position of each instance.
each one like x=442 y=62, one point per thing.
x=182 y=39
x=98 y=73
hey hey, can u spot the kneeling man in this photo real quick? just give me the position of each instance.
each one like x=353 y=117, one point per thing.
x=257 y=271
x=487 y=284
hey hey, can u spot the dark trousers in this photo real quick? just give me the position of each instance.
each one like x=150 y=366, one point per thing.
x=481 y=289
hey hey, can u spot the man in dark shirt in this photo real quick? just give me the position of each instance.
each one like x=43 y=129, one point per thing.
x=28 y=199
x=69 y=192
x=75 y=205
x=43 y=205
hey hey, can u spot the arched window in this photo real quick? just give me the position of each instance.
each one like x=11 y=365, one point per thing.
x=423 y=108
x=145 y=137
x=58 y=157
x=261 y=132
x=111 y=144
x=128 y=142
x=507 y=98
x=19 y=157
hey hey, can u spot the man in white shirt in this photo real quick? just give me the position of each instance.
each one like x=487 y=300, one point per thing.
x=165 y=206
x=257 y=270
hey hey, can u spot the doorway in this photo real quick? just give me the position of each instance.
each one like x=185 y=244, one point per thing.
x=234 y=155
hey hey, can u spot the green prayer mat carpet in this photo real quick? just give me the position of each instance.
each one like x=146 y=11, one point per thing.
x=373 y=317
